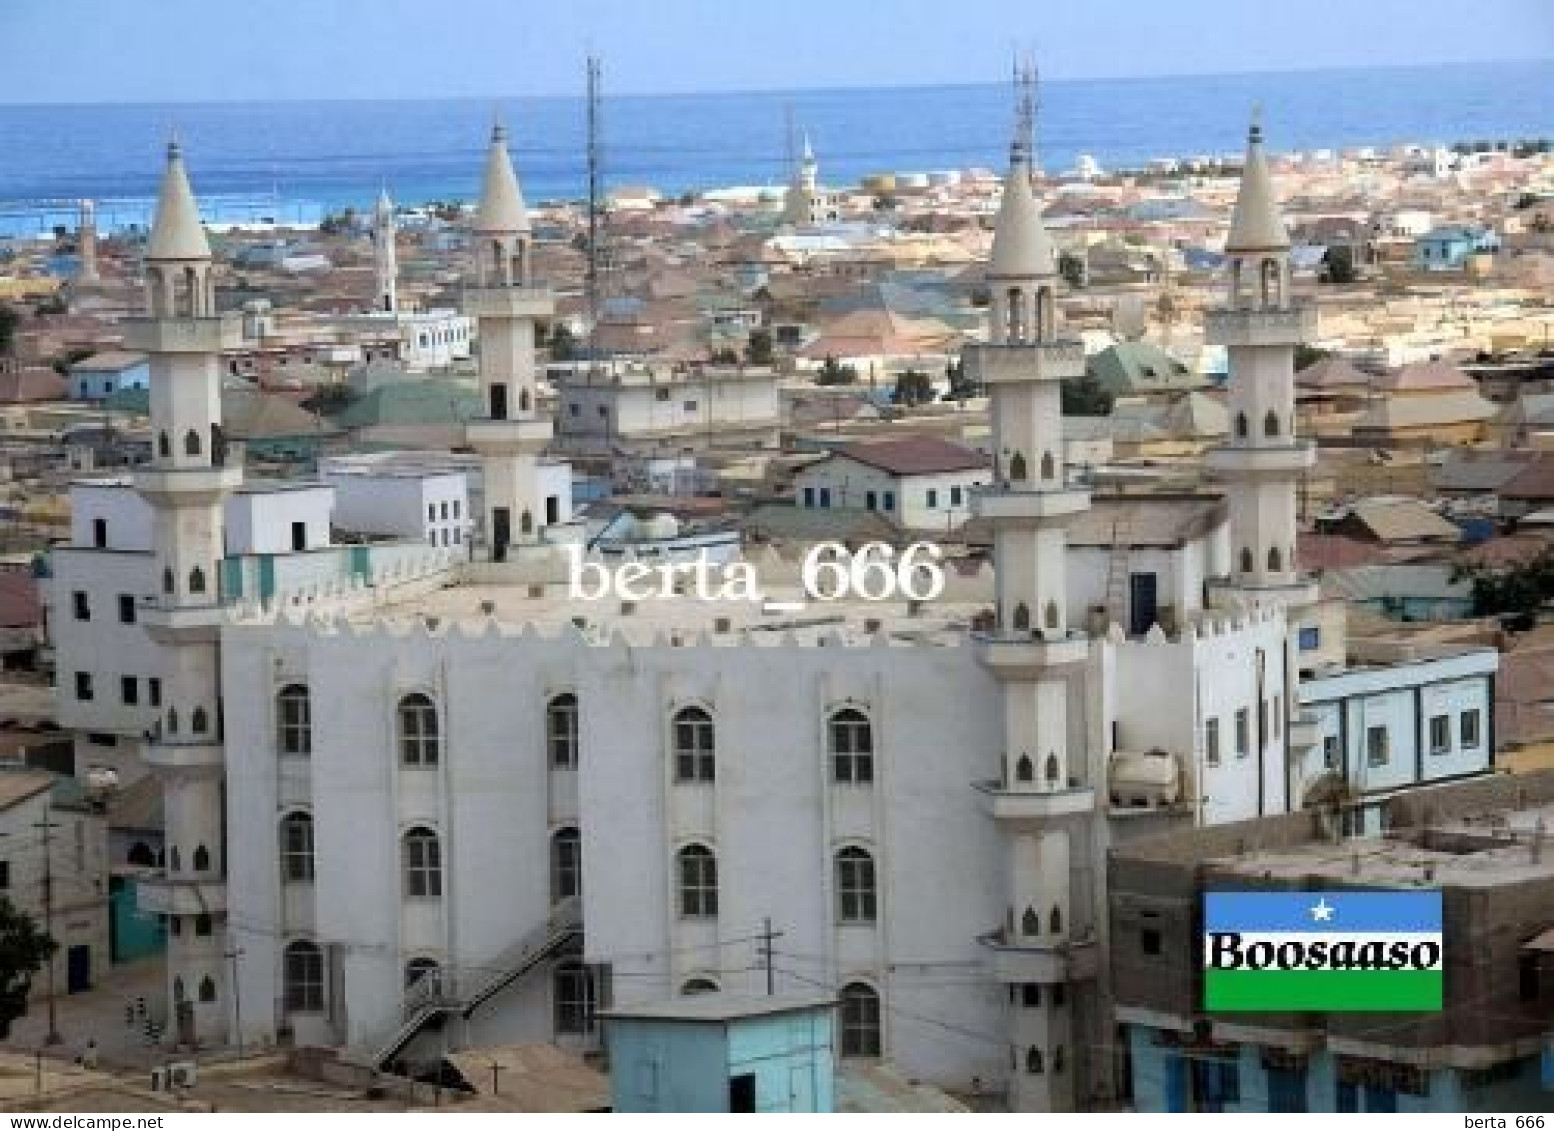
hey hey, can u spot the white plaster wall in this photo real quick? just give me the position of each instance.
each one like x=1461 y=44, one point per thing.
x=259 y=522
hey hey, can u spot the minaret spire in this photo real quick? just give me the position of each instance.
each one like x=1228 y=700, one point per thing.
x=385 y=255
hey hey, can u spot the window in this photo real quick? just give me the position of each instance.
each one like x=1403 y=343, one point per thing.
x=933 y=498
x=809 y=497
x=431 y=512
x=955 y=496
x=126 y=608
x=890 y=500
x=698 y=986
x=418 y=741
x=1211 y=741
x=84 y=686
x=196 y=580
x=5 y=875
x=100 y=533
x=207 y=989
x=860 y=1020
x=566 y=865
x=304 y=977
x=1149 y=941
x=154 y=691
x=855 y=887
x=1030 y=995
x=694 y=746
x=423 y=864
x=1378 y=746
x=293 y=720
x=1468 y=729
x=1330 y=751
x=1243 y=733
x=1440 y=734
x=698 y=882
x=870 y=500
x=1033 y=1065
x=297 y=848
x=81 y=604
x=299 y=536
x=201 y=858
x=129 y=690
x=574 y=998
x=202 y=926
x=825 y=497
x=418 y=968
x=1310 y=638
x=561 y=731
x=661 y=394
x=852 y=748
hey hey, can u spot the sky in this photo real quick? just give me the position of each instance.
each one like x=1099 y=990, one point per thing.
x=222 y=50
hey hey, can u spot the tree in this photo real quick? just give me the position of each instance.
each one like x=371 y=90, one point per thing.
x=1072 y=268
x=961 y=387
x=758 y=350
x=23 y=951
x=1522 y=588
x=912 y=389
x=1338 y=264
x=1086 y=396
x=832 y=373
x=8 y=321
x=563 y=346
x=1306 y=356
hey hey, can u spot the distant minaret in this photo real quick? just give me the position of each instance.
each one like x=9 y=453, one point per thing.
x=86 y=244
x=809 y=169
x=799 y=203
x=1262 y=461
x=385 y=258
x=507 y=302
x=186 y=484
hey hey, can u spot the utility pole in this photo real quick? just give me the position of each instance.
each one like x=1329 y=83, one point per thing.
x=767 y=937
x=237 y=998
x=596 y=206
x=496 y=1075
x=46 y=825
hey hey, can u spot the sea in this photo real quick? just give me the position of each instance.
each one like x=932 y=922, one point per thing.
x=292 y=162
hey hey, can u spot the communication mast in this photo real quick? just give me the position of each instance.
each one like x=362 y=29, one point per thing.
x=597 y=209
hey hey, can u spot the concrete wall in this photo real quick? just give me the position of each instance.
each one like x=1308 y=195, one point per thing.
x=261 y=522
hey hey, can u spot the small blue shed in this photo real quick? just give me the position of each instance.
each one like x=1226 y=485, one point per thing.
x=717 y=1052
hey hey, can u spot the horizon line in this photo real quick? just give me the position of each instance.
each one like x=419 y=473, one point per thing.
x=768 y=91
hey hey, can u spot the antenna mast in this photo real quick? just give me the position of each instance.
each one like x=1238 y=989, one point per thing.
x=1026 y=102
x=596 y=207
x=793 y=152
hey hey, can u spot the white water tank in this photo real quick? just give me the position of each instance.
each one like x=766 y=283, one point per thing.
x=660 y=526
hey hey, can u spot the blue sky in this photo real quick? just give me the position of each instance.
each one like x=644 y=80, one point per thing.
x=211 y=50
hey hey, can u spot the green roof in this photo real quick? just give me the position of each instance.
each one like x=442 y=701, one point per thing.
x=419 y=401
x=1132 y=368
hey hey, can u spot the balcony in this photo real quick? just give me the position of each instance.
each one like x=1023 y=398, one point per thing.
x=1013 y=657
x=183 y=335
x=188 y=484
x=1005 y=804
x=509 y=302
x=182 y=895
x=508 y=437
x=1260 y=327
x=1016 y=506
x=181 y=624
x=1049 y=963
x=1284 y=460
x=1015 y=364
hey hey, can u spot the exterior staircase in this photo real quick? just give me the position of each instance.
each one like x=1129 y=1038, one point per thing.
x=439 y=994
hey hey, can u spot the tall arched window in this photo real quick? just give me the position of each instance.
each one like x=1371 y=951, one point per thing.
x=199 y=721
x=561 y=731
x=293 y=720
x=574 y=998
x=207 y=989
x=1050 y=616
x=1275 y=560
x=1025 y=769
x=566 y=865
x=852 y=747
x=1048 y=465
x=1271 y=282
x=1246 y=560
x=423 y=864
x=860 y=1020
x=167 y=581
x=855 y=885
x=1050 y=771
x=1030 y=923
x=1271 y=424
x=191 y=443
x=1055 y=920
x=1033 y=1060
x=1241 y=425
x=419 y=744
x=303 y=977
x=201 y=858
x=418 y=968
x=526 y=523
x=164 y=446
x=1017 y=470
x=196 y=580
x=297 y=848
x=1022 y=617
x=695 y=746
x=698 y=876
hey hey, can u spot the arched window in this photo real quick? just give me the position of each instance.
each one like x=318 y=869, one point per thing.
x=1030 y=923
x=566 y=865
x=1246 y=560
x=179 y=993
x=1057 y=1059
x=164 y=446
x=196 y=580
x=526 y=523
x=1050 y=770
x=1017 y=470
x=696 y=986
x=207 y=989
x=1025 y=769
x=852 y=747
x=523 y=400
x=695 y=747
x=418 y=968
x=1241 y=425
x=574 y=998
x=201 y=858
x=1055 y=920
x=172 y=720
x=199 y=721
x=1275 y=560
x=698 y=869
x=419 y=744
x=855 y=885
x=1014 y=314
x=860 y=1020
x=191 y=443
x=1022 y=617
x=140 y=855
x=173 y=856
x=561 y=731
x=1271 y=424
x=1045 y=318
x=293 y=720
x=167 y=581
x=302 y=977
x=1271 y=282
x=1033 y=1060
x=1050 y=616
x=1048 y=465
x=297 y=848
x=423 y=864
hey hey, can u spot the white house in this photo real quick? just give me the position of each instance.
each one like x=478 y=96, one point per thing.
x=98 y=377
x=920 y=482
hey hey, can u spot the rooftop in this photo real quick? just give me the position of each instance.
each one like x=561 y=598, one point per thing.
x=916 y=455
x=717 y=1007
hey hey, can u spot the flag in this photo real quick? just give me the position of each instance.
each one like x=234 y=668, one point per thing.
x=1322 y=951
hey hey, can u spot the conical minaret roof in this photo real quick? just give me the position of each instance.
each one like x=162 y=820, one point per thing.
x=385 y=206
x=1255 y=225
x=501 y=200
x=176 y=233
x=1021 y=247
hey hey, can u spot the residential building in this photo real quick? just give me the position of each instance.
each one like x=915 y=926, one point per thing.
x=100 y=376
x=920 y=483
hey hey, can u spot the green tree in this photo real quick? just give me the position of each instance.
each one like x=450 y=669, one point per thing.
x=9 y=319
x=1522 y=588
x=563 y=345
x=961 y=387
x=758 y=350
x=913 y=388
x=23 y=951
x=1085 y=396
x=1072 y=268
x=833 y=373
x=1306 y=356
x=1338 y=264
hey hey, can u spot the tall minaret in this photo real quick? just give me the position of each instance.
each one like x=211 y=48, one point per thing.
x=186 y=483
x=809 y=169
x=86 y=243
x=385 y=258
x=1042 y=801
x=507 y=303
x=1262 y=461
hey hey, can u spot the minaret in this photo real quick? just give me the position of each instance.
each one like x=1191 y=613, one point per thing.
x=1262 y=461
x=86 y=244
x=385 y=258
x=809 y=169
x=507 y=303
x=186 y=483
x=798 y=206
x=1043 y=804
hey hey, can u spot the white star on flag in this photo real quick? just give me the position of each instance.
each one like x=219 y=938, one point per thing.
x=1322 y=912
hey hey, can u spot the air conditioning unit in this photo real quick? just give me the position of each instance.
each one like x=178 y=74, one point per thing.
x=159 y=1078
x=183 y=1074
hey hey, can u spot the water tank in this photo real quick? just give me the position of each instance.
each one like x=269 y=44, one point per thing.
x=1144 y=780
x=879 y=183
x=660 y=526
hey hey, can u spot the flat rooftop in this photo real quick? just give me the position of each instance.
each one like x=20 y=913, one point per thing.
x=717 y=1007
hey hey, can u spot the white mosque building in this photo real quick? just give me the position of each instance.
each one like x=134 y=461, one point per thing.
x=806 y=202
x=440 y=804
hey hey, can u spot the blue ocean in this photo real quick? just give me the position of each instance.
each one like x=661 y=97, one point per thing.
x=292 y=161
